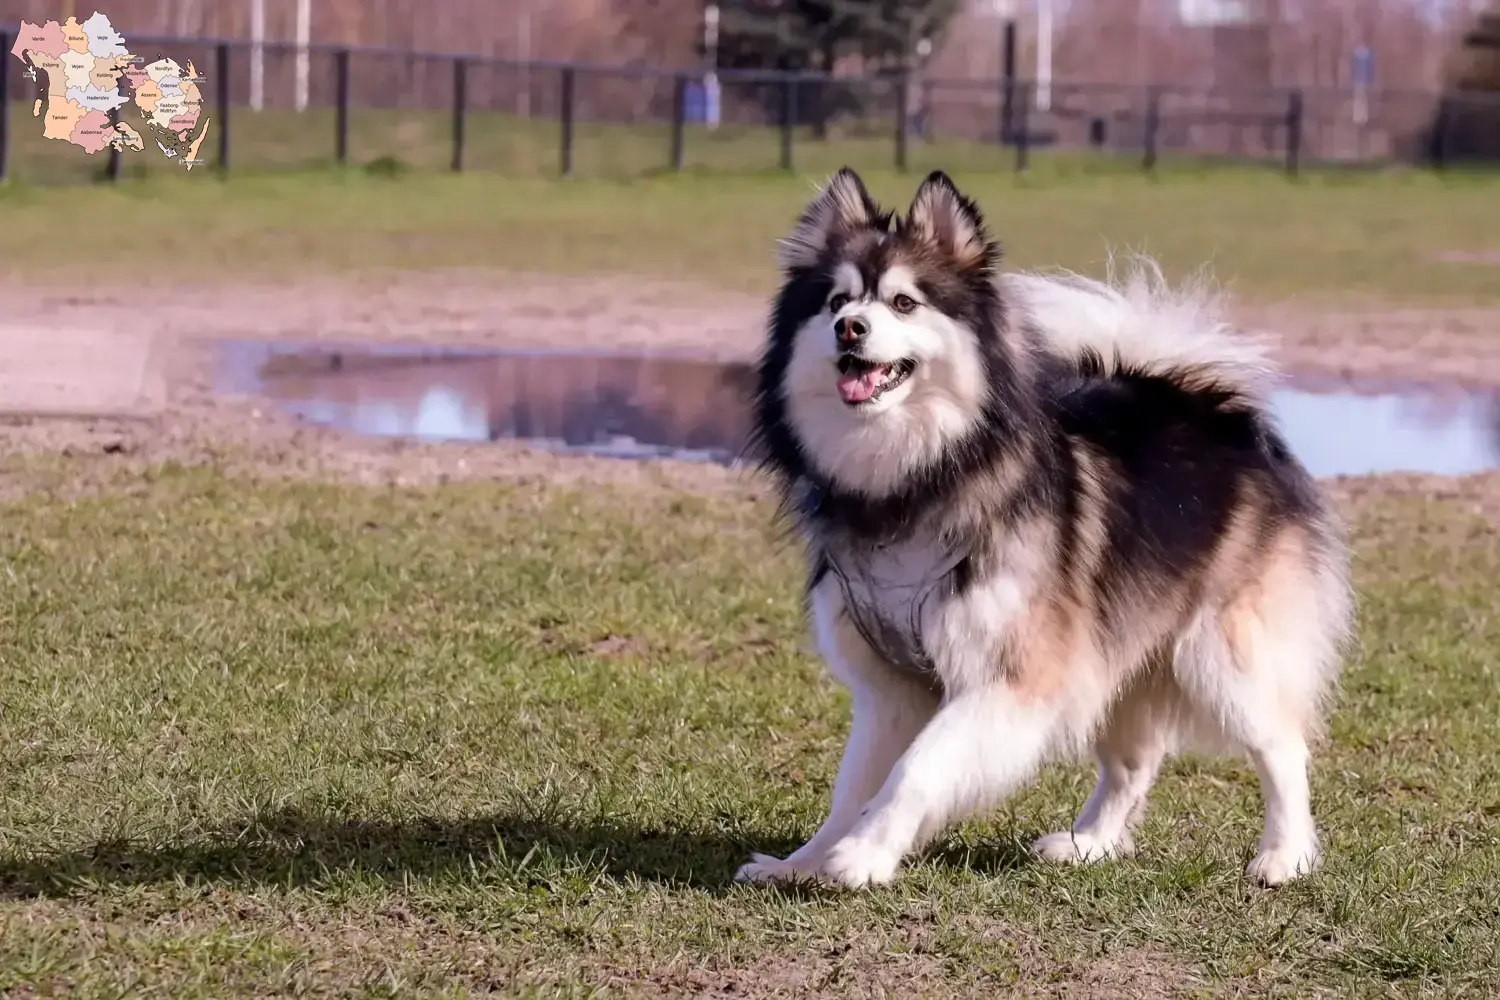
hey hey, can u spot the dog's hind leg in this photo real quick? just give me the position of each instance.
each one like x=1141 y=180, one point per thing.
x=1130 y=748
x=1259 y=669
x=889 y=710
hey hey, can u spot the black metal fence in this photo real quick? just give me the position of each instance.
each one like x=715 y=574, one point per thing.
x=392 y=110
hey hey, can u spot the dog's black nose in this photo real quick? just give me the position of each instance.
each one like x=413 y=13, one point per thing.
x=851 y=329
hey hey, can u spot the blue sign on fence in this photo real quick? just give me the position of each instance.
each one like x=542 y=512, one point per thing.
x=1362 y=67
x=700 y=102
x=694 y=102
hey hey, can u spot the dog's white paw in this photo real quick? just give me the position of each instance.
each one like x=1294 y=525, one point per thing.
x=854 y=864
x=1282 y=864
x=1069 y=846
x=762 y=869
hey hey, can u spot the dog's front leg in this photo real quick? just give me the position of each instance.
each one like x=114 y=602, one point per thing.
x=889 y=710
x=980 y=746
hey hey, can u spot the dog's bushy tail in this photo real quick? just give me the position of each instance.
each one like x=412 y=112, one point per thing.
x=1137 y=324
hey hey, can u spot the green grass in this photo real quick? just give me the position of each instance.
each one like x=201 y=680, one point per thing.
x=260 y=739
x=497 y=142
x=1328 y=237
x=420 y=140
x=530 y=147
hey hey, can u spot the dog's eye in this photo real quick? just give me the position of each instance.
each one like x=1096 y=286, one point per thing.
x=837 y=302
x=903 y=303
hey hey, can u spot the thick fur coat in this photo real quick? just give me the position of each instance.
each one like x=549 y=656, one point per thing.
x=1040 y=513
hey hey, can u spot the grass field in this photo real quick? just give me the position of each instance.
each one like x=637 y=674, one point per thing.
x=503 y=144
x=264 y=739
x=617 y=136
x=1386 y=237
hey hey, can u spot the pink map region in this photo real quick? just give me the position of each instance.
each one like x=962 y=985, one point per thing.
x=47 y=39
x=92 y=131
x=136 y=74
x=184 y=123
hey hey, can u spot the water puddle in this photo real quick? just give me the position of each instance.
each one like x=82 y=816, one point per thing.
x=690 y=407
x=630 y=406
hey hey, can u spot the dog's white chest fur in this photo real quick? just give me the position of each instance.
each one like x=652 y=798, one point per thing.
x=888 y=589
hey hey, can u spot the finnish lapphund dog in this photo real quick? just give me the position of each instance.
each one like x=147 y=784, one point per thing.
x=1042 y=514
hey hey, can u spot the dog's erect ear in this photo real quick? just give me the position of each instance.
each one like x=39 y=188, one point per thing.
x=950 y=222
x=842 y=206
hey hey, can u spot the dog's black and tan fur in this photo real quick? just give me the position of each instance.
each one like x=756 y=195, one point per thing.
x=1040 y=512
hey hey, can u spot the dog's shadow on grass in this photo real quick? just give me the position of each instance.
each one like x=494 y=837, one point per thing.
x=297 y=848
x=989 y=859
x=294 y=848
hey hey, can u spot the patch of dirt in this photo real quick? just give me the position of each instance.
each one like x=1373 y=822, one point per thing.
x=318 y=951
x=1478 y=495
x=1489 y=257
x=1460 y=346
x=814 y=973
x=618 y=646
x=442 y=307
x=195 y=425
x=872 y=968
x=1430 y=518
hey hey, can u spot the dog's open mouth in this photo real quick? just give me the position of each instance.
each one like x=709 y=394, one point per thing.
x=862 y=381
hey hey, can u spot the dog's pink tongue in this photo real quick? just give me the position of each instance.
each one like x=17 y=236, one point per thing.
x=857 y=387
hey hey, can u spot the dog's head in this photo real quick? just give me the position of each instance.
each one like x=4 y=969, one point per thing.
x=887 y=345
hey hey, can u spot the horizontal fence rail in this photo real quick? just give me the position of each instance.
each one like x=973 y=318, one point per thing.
x=275 y=106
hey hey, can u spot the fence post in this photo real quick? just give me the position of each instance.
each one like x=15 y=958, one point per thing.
x=4 y=102
x=341 y=106
x=1440 y=130
x=1007 y=109
x=221 y=98
x=112 y=168
x=679 y=117
x=788 y=119
x=460 y=105
x=568 y=99
x=1021 y=132
x=903 y=112
x=1007 y=80
x=1293 y=132
x=1153 y=127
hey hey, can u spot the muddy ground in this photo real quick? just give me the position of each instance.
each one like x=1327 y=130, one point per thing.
x=191 y=424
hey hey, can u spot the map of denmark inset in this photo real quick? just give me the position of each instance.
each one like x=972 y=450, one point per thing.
x=84 y=65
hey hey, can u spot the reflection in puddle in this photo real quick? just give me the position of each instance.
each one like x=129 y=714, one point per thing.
x=1433 y=429
x=691 y=407
x=629 y=406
